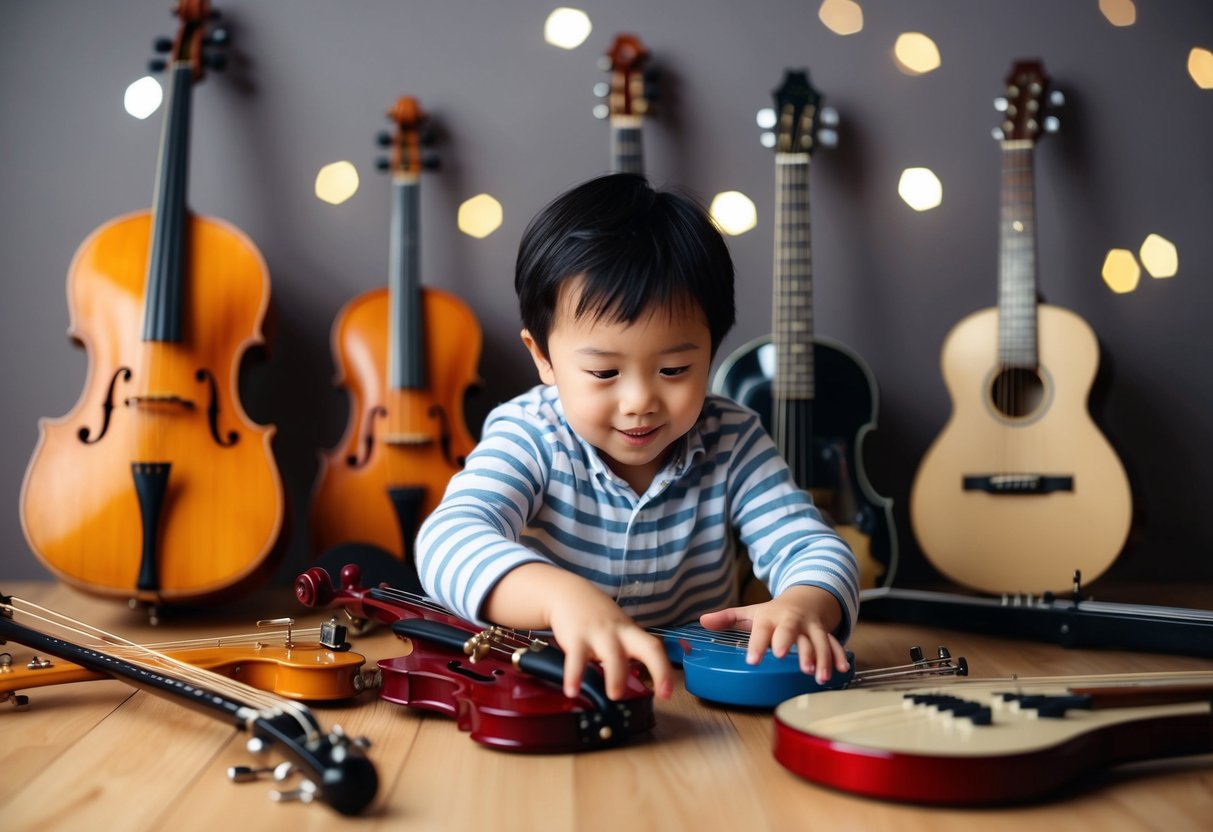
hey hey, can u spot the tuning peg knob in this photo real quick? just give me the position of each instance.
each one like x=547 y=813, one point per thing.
x=1057 y=98
x=218 y=37
x=1000 y=104
x=602 y=89
x=604 y=63
x=1052 y=124
x=427 y=136
x=381 y=163
x=383 y=138
x=156 y=65
x=998 y=134
x=829 y=116
x=306 y=793
x=430 y=162
x=827 y=137
x=162 y=44
x=216 y=61
x=601 y=111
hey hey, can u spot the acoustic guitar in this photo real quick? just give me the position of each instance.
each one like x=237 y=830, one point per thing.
x=1020 y=488
x=816 y=396
x=630 y=96
x=990 y=741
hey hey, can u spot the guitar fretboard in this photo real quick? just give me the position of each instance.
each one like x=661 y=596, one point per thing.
x=793 y=299
x=627 y=149
x=1017 y=258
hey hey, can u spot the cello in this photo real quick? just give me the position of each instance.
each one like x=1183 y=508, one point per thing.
x=406 y=354
x=156 y=487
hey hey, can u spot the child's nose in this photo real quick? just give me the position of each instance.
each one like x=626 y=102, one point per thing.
x=637 y=398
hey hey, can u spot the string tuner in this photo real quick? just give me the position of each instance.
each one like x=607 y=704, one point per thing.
x=602 y=89
x=156 y=65
x=382 y=164
x=162 y=44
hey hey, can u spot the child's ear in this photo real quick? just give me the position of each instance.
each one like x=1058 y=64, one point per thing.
x=542 y=364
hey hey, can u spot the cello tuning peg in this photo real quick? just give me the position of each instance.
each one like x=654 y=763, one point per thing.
x=156 y=65
x=162 y=44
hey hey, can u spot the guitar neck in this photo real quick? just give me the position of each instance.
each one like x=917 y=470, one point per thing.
x=1017 y=345
x=627 y=144
x=792 y=311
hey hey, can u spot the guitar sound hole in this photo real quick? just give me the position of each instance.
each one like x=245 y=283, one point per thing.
x=1017 y=392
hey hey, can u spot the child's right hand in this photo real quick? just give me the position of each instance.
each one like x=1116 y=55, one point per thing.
x=587 y=624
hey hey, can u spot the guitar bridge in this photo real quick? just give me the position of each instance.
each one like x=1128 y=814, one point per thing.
x=1018 y=483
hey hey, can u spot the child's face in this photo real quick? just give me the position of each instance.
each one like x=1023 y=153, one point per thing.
x=630 y=390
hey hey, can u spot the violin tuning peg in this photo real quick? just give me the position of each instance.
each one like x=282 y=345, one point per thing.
x=383 y=138
x=162 y=44
x=381 y=164
x=430 y=162
x=427 y=136
x=156 y=65
x=218 y=37
x=215 y=61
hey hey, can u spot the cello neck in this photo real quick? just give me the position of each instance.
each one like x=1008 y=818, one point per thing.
x=406 y=335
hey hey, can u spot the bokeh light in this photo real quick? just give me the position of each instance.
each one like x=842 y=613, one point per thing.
x=1119 y=12
x=1120 y=271
x=915 y=53
x=479 y=216
x=143 y=97
x=842 y=17
x=1159 y=256
x=336 y=182
x=920 y=188
x=733 y=212
x=567 y=28
x=1200 y=67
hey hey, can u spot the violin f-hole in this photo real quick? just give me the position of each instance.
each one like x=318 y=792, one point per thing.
x=368 y=442
x=212 y=410
x=444 y=434
x=107 y=407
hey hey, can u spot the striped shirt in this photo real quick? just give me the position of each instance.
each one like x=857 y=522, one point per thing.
x=532 y=490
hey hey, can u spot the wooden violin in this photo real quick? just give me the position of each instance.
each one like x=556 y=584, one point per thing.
x=502 y=686
x=407 y=355
x=715 y=669
x=991 y=741
x=156 y=486
x=312 y=664
x=333 y=766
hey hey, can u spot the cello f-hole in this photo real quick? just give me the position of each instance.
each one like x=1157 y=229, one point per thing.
x=368 y=443
x=107 y=408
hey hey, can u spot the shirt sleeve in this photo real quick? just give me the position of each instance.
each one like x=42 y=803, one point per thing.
x=782 y=530
x=470 y=541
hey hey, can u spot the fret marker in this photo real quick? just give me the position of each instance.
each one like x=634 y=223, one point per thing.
x=567 y=28
x=479 y=216
x=733 y=212
x=1120 y=271
x=1159 y=256
x=920 y=188
x=336 y=182
x=143 y=97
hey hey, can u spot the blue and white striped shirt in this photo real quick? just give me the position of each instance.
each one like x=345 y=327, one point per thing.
x=533 y=490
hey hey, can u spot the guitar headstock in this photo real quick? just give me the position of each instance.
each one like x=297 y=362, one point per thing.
x=1026 y=107
x=413 y=131
x=802 y=124
x=196 y=41
x=632 y=90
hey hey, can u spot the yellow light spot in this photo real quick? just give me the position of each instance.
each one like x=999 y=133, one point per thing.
x=1119 y=12
x=337 y=182
x=1200 y=67
x=1120 y=271
x=1159 y=256
x=920 y=188
x=842 y=17
x=915 y=53
x=143 y=97
x=479 y=216
x=567 y=28
x=733 y=212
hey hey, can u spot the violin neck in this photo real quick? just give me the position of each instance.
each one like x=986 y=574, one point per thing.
x=406 y=335
x=162 y=313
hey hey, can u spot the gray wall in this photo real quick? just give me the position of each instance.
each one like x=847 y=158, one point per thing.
x=309 y=84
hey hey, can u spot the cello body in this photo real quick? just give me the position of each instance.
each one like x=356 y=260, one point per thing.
x=157 y=487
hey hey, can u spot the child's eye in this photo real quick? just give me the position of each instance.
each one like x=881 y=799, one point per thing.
x=674 y=371
x=603 y=374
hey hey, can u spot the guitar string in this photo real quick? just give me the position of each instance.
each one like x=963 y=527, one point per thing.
x=104 y=642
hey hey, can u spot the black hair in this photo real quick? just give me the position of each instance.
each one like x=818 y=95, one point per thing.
x=637 y=247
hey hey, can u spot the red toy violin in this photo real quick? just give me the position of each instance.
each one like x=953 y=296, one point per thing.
x=502 y=686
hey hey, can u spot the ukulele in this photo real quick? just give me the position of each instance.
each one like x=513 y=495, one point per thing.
x=1020 y=488
x=990 y=741
x=715 y=669
x=406 y=354
x=318 y=669
x=630 y=96
x=157 y=487
x=502 y=686
x=333 y=766
x=816 y=396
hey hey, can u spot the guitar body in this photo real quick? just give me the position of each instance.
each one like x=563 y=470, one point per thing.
x=879 y=743
x=223 y=508
x=843 y=414
x=352 y=502
x=1011 y=542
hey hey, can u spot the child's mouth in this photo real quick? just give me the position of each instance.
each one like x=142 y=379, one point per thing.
x=638 y=436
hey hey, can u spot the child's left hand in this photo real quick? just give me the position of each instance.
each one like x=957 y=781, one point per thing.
x=802 y=615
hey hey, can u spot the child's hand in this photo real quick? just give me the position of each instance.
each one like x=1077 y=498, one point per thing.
x=802 y=615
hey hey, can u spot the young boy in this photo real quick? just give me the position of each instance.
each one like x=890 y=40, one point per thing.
x=609 y=498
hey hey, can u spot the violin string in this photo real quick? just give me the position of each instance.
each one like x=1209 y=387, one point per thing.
x=104 y=642
x=519 y=638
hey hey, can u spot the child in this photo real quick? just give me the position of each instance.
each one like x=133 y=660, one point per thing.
x=609 y=498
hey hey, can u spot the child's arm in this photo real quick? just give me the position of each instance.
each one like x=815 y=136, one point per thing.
x=586 y=622
x=802 y=615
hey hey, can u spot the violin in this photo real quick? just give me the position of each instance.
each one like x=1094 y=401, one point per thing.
x=715 y=669
x=157 y=487
x=311 y=664
x=502 y=686
x=332 y=765
x=406 y=354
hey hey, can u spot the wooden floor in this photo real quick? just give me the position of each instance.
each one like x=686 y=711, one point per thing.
x=100 y=755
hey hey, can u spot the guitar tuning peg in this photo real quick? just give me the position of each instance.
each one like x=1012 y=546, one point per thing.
x=218 y=37
x=247 y=774
x=827 y=137
x=1052 y=124
x=1000 y=104
x=601 y=111
x=162 y=44
x=829 y=116
x=602 y=89
x=943 y=652
x=998 y=134
x=1057 y=98
x=767 y=139
x=604 y=63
